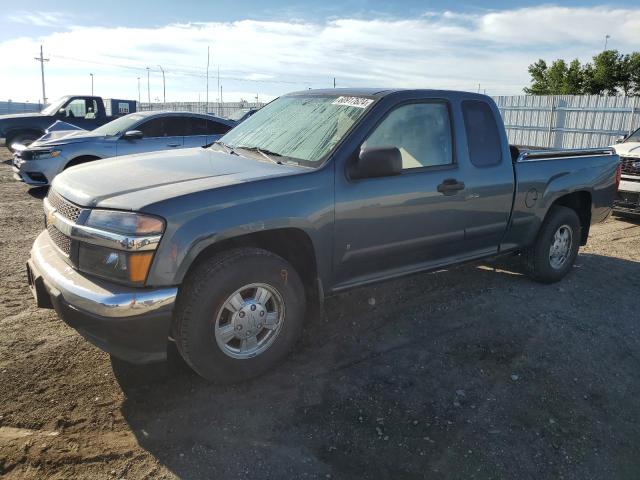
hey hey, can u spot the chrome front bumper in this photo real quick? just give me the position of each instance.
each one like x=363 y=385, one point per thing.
x=92 y=295
x=132 y=324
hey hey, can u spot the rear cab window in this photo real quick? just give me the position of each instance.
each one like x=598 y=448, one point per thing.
x=483 y=138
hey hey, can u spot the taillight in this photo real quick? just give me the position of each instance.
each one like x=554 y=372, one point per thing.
x=618 y=175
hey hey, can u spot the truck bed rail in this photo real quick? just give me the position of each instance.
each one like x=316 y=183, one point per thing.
x=574 y=152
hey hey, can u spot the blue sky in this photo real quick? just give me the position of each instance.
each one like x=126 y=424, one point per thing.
x=267 y=48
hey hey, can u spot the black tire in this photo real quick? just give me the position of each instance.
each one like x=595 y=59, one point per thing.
x=538 y=262
x=79 y=161
x=23 y=138
x=201 y=300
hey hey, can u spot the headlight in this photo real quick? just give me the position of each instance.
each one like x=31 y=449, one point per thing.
x=125 y=265
x=42 y=154
x=126 y=223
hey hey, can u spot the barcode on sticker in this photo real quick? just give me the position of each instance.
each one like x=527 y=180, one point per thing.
x=358 y=102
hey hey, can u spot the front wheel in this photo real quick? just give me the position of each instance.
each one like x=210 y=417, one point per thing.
x=238 y=314
x=25 y=139
x=551 y=257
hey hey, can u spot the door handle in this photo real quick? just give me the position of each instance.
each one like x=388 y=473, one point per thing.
x=450 y=186
x=173 y=145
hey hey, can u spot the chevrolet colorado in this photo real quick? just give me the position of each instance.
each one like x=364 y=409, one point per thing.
x=224 y=249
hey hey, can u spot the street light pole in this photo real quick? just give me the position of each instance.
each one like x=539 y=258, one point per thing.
x=91 y=84
x=148 y=87
x=606 y=41
x=139 y=90
x=164 y=88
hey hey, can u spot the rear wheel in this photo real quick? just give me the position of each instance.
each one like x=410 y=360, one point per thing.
x=556 y=247
x=238 y=314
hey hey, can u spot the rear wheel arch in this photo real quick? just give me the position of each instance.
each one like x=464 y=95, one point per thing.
x=579 y=202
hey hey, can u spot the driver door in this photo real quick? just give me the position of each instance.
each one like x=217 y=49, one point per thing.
x=387 y=226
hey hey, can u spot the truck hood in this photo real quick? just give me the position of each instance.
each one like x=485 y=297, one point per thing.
x=630 y=149
x=132 y=182
x=11 y=116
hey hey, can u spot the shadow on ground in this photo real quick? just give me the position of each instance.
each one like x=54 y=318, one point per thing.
x=446 y=375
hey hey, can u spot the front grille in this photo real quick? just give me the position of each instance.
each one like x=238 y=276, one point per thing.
x=64 y=207
x=60 y=239
x=628 y=165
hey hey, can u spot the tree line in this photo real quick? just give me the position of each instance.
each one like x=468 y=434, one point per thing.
x=610 y=73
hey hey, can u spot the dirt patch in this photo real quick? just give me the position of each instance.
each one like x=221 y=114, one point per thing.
x=476 y=372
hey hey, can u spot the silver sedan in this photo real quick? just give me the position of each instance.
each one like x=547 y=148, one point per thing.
x=41 y=161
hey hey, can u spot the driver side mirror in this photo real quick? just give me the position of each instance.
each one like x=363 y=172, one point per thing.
x=377 y=162
x=62 y=112
x=621 y=138
x=133 y=135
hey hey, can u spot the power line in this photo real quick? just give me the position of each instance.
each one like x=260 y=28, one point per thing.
x=184 y=72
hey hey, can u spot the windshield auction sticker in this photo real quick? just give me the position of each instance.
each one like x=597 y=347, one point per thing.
x=358 y=102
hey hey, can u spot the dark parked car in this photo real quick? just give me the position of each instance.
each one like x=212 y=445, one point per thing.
x=87 y=112
x=224 y=249
x=141 y=132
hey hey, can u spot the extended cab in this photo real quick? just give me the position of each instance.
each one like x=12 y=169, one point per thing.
x=87 y=112
x=224 y=249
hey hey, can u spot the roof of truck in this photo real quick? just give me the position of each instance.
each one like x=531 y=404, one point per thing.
x=383 y=92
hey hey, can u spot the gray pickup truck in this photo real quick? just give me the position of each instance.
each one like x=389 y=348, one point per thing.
x=224 y=250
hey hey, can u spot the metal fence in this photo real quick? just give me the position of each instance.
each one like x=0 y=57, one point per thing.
x=224 y=109
x=568 y=121
x=19 y=107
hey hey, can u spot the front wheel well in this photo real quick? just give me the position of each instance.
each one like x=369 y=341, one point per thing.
x=80 y=160
x=292 y=244
x=580 y=202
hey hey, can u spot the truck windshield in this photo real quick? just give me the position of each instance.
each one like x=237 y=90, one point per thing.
x=53 y=108
x=304 y=128
x=119 y=125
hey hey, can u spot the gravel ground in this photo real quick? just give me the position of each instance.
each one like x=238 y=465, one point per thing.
x=476 y=372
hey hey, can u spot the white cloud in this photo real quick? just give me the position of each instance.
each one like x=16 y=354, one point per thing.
x=435 y=50
x=40 y=19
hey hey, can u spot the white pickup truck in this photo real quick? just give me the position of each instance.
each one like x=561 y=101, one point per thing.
x=628 y=199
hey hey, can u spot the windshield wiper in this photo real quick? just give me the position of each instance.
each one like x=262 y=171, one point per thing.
x=269 y=155
x=226 y=147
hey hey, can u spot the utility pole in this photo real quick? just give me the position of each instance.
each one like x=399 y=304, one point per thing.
x=334 y=82
x=41 y=59
x=606 y=41
x=207 y=98
x=164 y=88
x=148 y=87
x=91 y=84
x=220 y=89
x=139 y=91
